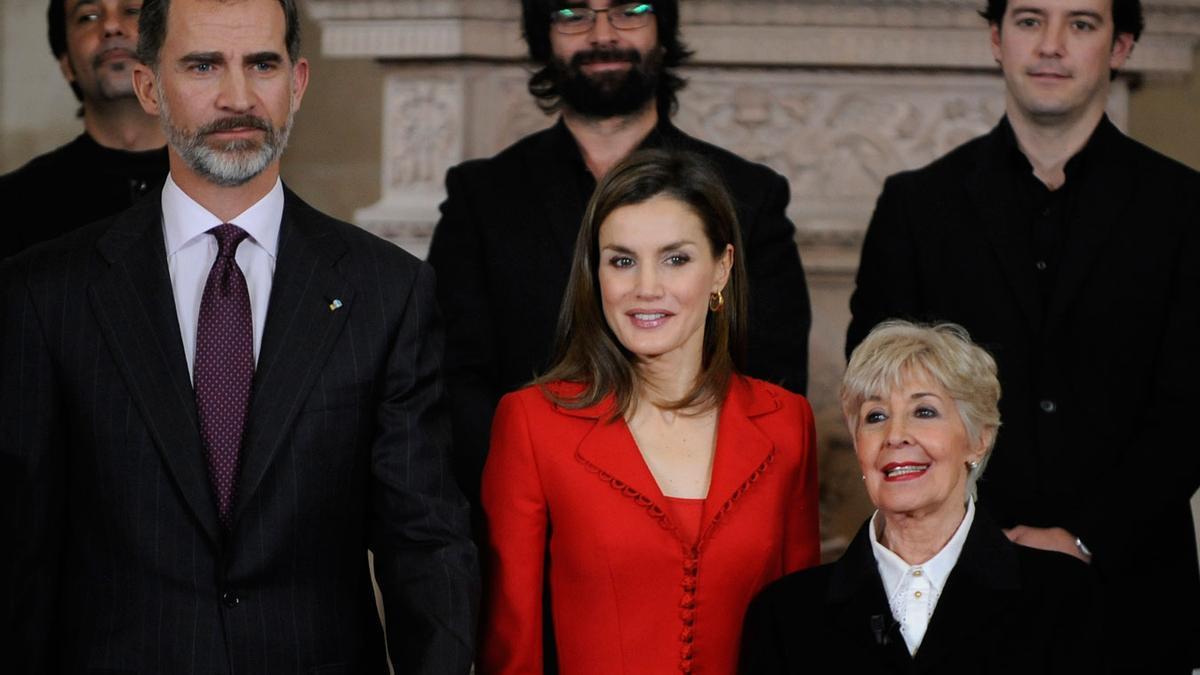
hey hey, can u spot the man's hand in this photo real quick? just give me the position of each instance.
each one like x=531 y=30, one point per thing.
x=1047 y=539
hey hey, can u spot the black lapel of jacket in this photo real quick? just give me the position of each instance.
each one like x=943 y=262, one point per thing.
x=1097 y=204
x=860 y=608
x=981 y=586
x=303 y=322
x=135 y=308
x=556 y=163
x=989 y=186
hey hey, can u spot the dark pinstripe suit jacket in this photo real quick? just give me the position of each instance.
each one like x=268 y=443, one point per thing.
x=115 y=561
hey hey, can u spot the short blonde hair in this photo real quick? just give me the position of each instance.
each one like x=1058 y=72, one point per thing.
x=895 y=350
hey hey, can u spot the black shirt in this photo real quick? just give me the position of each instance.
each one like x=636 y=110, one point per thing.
x=77 y=184
x=1048 y=215
x=662 y=136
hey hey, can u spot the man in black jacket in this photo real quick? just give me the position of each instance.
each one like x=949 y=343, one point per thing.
x=502 y=250
x=119 y=157
x=217 y=401
x=1071 y=252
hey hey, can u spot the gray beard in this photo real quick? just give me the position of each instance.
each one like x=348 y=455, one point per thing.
x=230 y=164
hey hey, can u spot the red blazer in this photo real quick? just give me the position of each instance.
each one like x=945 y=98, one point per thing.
x=568 y=495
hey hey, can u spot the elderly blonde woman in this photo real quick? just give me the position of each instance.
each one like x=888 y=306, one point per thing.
x=930 y=584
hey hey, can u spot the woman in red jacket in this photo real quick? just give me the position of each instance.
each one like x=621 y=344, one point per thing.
x=644 y=484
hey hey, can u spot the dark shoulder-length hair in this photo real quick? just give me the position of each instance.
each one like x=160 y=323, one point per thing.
x=587 y=351
x=535 y=26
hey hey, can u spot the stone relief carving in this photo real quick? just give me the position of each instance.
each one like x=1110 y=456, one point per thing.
x=836 y=139
x=521 y=115
x=423 y=130
x=423 y=138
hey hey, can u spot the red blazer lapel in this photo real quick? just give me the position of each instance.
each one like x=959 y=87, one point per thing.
x=743 y=450
x=609 y=451
x=743 y=453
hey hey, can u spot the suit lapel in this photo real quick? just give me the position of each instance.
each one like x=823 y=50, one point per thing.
x=1093 y=217
x=135 y=308
x=301 y=327
x=742 y=448
x=989 y=187
x=980 y=587
x=860 y=610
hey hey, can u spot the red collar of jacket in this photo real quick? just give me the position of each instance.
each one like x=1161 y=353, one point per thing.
x=744 y=451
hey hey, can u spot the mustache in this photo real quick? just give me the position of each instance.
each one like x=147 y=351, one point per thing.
x=235 y=122
x=633 y=56
x=120 y=48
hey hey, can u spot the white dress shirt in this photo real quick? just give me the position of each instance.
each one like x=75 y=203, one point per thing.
x=913 y=590
x=191 y=252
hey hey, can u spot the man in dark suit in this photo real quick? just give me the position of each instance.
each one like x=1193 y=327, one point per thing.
x=119 y=157
x=1071 y=252
x=215 y=403
x=502 y=249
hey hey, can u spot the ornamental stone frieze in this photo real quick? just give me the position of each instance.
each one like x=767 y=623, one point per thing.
x=834 y=95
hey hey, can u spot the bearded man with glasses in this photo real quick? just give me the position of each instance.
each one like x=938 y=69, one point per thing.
x=502 y=250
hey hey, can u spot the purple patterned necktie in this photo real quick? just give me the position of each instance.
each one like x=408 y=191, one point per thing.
x=224 y=366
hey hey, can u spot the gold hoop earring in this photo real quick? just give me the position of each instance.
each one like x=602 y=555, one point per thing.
x=716 y=301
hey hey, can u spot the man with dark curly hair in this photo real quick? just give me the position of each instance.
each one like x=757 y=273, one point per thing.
x=120 y=155
x=502 y=250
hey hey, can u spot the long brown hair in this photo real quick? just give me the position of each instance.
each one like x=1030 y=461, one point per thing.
x=586 y=349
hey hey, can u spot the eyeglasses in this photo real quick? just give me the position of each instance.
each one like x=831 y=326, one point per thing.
x=627 y=16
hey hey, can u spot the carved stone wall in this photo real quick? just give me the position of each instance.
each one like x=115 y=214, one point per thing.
x=834 y=95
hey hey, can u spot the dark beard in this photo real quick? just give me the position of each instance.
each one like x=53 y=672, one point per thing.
x=607 y=94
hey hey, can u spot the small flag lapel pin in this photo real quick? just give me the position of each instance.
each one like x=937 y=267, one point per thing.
x=335 y=305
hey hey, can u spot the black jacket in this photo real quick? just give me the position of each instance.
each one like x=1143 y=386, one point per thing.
x=1005 y=610
x=502 y=252
x=71 y=186
x=1100 y=386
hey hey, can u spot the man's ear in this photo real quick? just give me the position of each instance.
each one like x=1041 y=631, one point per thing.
x=1122 y=47
x=299 y=82
x=145 y=85
x=994 y=30
x=64 y=66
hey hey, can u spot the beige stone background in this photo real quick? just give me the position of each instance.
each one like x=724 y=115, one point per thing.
x=336 y=152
